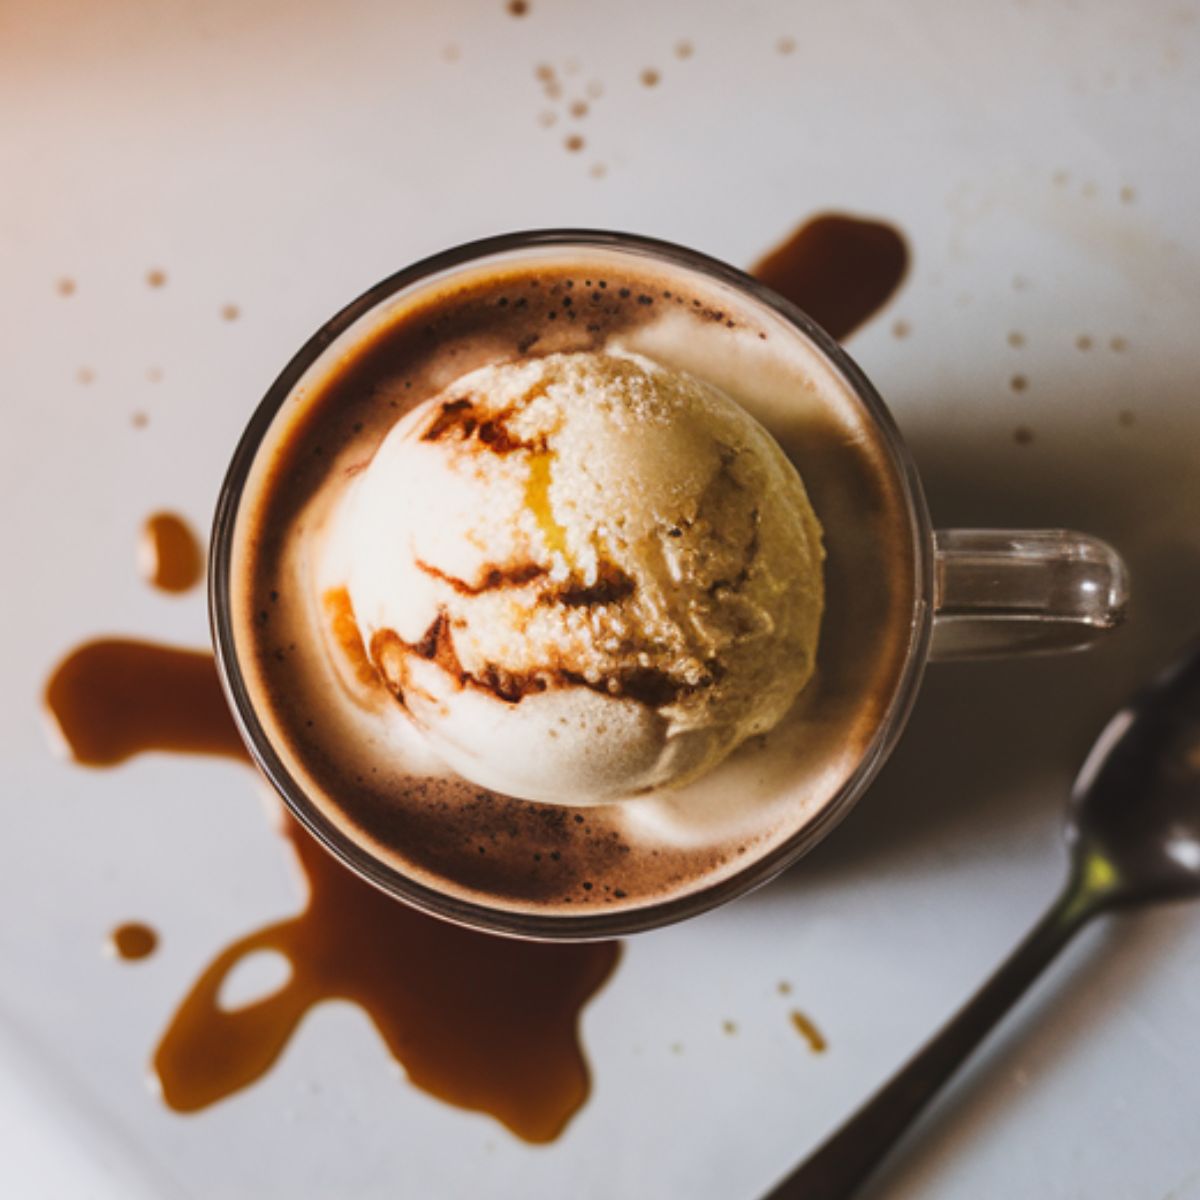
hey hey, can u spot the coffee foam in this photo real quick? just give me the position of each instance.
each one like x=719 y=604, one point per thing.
x=351 y=749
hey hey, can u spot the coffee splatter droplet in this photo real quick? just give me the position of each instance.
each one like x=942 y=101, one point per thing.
x=1018 y=383
x=786 y=45
x=451 y=53
x=809 y=1032
x=598 y=171
x=1128 y=195
x=154 y=374
x=1118 y=344
x=650 y=77
x=543 y=72
x=1083 y=342
x=684 y=50
x=230 y=312
x=676 y=1047
x=1125 y=418
x=1016 y=340
x=518 y=8
x=139 y=420
x=578 y=108
x=547 y=118
x=85 y=375
x=730 y=1027
x=784 y=988
x=901 y=329
x=1060 y=178
x=169 y=554
x=574 y=143
x=65 y=287
x=156 y=278
x=1023 y=435
x=132 y=941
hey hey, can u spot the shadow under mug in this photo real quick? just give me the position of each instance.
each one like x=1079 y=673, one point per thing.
x=976 y=593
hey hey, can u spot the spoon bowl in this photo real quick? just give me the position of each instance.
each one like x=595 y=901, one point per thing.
x=1134 y=818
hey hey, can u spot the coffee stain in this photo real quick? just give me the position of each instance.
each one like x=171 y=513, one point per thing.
x=113 y=698
x=481 y=1022
x=1018 y=383
x=840 y=270
x=133 y=941
x=65 y=287
x=169 y=553
x=230 y=312
x=809 y=1032
x=156 y=278
x=650 y=77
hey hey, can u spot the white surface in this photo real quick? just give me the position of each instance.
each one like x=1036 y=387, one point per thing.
x=282 y=156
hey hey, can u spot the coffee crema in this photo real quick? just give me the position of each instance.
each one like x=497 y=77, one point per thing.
x=364 y=774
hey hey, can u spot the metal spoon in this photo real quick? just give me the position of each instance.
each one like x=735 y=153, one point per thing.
x=1134 y=832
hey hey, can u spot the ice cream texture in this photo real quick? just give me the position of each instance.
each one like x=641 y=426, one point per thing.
x=584 y=576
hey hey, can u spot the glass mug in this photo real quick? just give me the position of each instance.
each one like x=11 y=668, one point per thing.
x=974 y=593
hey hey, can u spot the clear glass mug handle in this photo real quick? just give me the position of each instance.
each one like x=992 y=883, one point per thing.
x=1000 y=592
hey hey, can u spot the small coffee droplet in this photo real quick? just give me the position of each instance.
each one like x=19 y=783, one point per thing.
x=156 y=278
x=1023 y=435
x=676 y=1047
x=85 y=375
x=543 y=72
x=139 y=420
x=1018 y=383
x=1117 y=343
x=518 y=8
x=132 y=940
x=579 y=108
x=552 y=90
x=729 y=1027
x=1016 y=340
x=1128 y=195
x=901 y=329
x=574 y=143
x=231 y=312
x=786 y=45
x=169 y=554
x=1060 y=178
x=598 y=171
x=66 y=287
x=784 y=988
x=451 y=53
x=650 y=77
x=684 y=49
x=154 y=374
x=1125 y=418
x=809 y=1032
x=547 y=118
x=1083 y=342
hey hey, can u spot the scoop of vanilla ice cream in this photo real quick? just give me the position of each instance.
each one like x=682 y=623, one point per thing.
x=584 y=576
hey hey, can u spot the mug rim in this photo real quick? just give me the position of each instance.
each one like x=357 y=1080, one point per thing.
x=605 y=924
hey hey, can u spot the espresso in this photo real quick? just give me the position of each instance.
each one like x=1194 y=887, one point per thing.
x=364 y=777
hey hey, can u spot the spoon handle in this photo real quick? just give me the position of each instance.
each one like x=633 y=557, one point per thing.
x=838 y=1167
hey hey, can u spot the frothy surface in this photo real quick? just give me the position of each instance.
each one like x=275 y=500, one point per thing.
x=338 y=734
